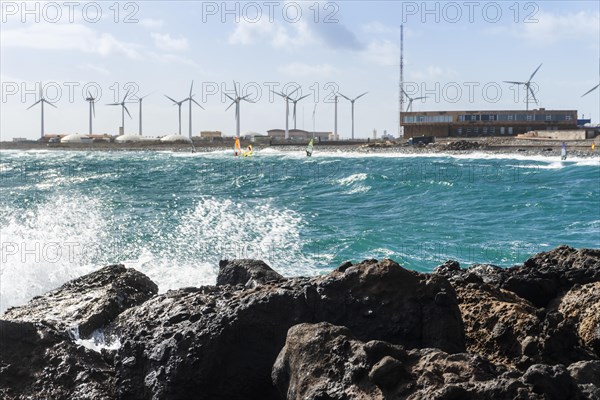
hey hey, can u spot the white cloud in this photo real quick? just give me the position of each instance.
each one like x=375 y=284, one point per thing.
x=67 y=37
x=167 y=43
x=376 y=27
x=382 y=52
x=278 y=35
x=151 y=23
x=298 y=69
x=551 y=28
x=96 y=68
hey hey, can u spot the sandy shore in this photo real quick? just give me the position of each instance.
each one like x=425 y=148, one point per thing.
x=551 y=148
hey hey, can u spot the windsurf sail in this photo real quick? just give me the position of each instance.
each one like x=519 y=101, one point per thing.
x=309 y=148
x=249 y=152
x=237 y=150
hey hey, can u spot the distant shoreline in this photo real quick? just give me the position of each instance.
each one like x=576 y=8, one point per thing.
x=550 y=148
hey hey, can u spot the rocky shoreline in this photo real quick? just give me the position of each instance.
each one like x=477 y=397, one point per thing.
x=371 y=330
x=502 y=145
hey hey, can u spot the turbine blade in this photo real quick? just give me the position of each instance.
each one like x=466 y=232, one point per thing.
x=191 y=87
x=146 y=95
x=532 y=94
x=126 y=94
x=293 y=91
x=126 y=110
x=515 y=83
x=170 y=99
x=47 y=102
x=230 y=105
x=114 y=104
x=279 y=94
x=235 y=88
x=90 y=95
x=245 y=99
x=405 y=93
x=303 y=97
x=419 y=98
x=591 y=90
x=358 y=97
x=198 y=104
x=346 y=97
x=34 y=104
x=536 y=70
x=229 y=97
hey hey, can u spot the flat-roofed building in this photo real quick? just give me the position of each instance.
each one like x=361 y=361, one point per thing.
x=485 y=123
x=211 y=134
x=298 y=134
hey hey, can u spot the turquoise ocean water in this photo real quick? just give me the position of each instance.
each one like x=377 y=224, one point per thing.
x=173 y=216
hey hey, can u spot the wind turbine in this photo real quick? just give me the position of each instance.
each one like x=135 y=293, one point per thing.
x=42 y=100
x=352 y=102
x=296 y=102
x=140 y=102
x=178 y=103
x=191 y=99
x=411 y=99
x=527 y=88
x=286 y=97
x=90 y=99
x=123 y=109
x=236 y=101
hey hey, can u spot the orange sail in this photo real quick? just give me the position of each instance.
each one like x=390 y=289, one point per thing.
x=237 y=150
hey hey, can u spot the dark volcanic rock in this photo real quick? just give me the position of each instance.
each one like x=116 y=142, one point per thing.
x=39 y=362
x=546 y=275
x=221 y=342
x=89 y=302
x=249 y=273
x=322 y=361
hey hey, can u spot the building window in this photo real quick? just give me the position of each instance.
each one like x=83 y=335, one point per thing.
x=548 y=117
x=476 y=131
x=459 y=131
x=510 y=130
x=529 y=117
x=492 y=117
x=461 y=117
x=510 y=117
x=493 y=130
x=468 y=131
x=473 y=117
x=567 y=117
x=502 y=130
x=485 y=131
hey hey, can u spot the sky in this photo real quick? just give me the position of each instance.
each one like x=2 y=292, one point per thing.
x=456 y=53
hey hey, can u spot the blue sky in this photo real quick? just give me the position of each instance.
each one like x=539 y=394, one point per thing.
x=456 y=53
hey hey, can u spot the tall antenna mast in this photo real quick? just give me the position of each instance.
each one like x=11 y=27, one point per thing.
x=401 y=83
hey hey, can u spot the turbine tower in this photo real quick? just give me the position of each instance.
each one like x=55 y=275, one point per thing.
x=178 y=103
x=410 y=100
x=527 y=88
x=352 y=102
x=42 y=100
x=335 y=134
x=191 y=99
x=140 y=102
x=296 y=102
x=400 y=92
x=91 y=100
x=123 y=110
x=237 y=101
x=286 y=97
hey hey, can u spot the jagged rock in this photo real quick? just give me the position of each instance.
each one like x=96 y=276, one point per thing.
x=462 y=145
x=249 y=273
x=89 y=302
x=498 y=324
x=221 y=342
x=546 y=275
x=581 y=306
x=39 y=362
x=323 y=361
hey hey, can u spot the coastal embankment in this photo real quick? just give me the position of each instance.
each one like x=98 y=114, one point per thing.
x=367 y=330
x=551 y=148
